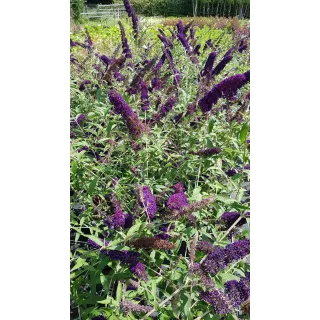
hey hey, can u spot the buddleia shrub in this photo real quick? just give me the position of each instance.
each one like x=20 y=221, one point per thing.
x=160 y=170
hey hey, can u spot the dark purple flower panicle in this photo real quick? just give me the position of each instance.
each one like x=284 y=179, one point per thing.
x=178 y=117
x=128 y=306
x=229 y=218
x=128 y=223
x=135 y=126
x=177 y=201
x=73 y=59
x=247 y=75
x=207 y=45
x=208 y=152
x=139 y=270
x=89 y=41
x=196 y=50
x=192 y=34
x=95 y=245
x=242 y=46
x=207 y=70
x=156 y=83
x=163 y=236
x=145 y=105
x=118 y=219
x=128 y=7
x=125 y=46
x=238 y=291
x=129 y=257
x=83 y=84
x=167 y=227
x=164 y=40
x=176 y=77
x=118 y=76
x=105 y=59
x=184 y=41
x=120 y=105
x=220 y=66
x=210 y=99
x=237 y=250
x=83 y=148
x=135 y=26
x=178 y=187
x=147 y=201
x=231 y=172
x=192 y=108
x=205 y=246
x=80 y=118
x=180 y=27
x=218 y=299
x=229 y=86
x=168 y=106
x=215 y=260
x=99 y=318
x=169 y=56
x=247 y=167
x=160 y=63
x=72 y=44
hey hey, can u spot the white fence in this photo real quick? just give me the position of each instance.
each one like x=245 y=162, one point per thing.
x=104 y=11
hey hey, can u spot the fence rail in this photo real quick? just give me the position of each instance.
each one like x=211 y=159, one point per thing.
x=104 y=11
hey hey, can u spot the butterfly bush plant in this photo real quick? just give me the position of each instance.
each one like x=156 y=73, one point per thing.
x=160 y=174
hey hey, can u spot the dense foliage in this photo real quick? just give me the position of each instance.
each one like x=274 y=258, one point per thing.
x=159 y=172
x=221 y=8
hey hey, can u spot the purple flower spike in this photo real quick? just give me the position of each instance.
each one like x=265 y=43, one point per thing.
x=218 y=299
x=180 y=27
x=125 y=46
x=83 y=84
x=184 y=41
x=238 y=292
x=80 y=118
x=192 y=34
x=89 y=41
x=196 y=49
x=139 y=270
x=230 y=85
x=119 y=77
x=99 y=318
x=207 y=70
x=135 y=26
x=95 y=245
x=220 y=66
x=168 y=106
x=178 y=187
x=177 y=201
x=156 y=83
x=147 y=201
x=210 y=99
x=231 y=172
x=145 y=105
x=242 y=46
x=105 y=60
x=160 y=63
x=135 y=126
x=128 y=7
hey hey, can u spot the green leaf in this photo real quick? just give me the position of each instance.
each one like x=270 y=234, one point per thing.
x=209 y=143
x=154 y=294
x=210 y=127
x=92 y=185
x=243 y=132
x=225 y=199
x=80 y=262
x=135 y=228
x=119 y=292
